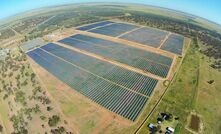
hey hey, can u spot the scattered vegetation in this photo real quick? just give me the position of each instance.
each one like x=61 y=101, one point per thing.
x=6 y=33
x=26 y=100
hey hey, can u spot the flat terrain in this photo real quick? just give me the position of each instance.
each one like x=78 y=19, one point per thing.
x=191 y=82
x=91 y=54
x=80 y=111
x=139 y=34
x=207 y=99
x=144 y=46
x=24 y=100
x=181 y=90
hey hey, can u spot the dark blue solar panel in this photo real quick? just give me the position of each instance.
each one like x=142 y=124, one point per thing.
x=115 y=29
x=88 y=27
x=113 y=97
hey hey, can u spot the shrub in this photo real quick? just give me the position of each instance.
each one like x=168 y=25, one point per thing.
x=53 y=121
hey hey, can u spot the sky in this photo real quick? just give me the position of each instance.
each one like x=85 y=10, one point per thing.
x=209 y=9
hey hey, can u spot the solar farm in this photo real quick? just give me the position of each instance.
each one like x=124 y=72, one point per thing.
x=143 y=35
x=112 y=70
x=146 y=61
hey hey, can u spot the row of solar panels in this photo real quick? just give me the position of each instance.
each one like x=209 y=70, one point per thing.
x=143 y=35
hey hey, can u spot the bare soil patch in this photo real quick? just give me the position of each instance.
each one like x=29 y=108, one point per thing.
x=194 y=123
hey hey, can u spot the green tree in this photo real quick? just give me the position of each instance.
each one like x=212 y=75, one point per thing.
x=53 y=121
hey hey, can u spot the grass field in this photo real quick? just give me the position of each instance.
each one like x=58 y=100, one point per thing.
x=191 y=92
x=179 y=100
x=208 y=101
x=4 y=117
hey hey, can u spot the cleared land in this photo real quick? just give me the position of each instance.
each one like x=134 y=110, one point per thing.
x=194 y=123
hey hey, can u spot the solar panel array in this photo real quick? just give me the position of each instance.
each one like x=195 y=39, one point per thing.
x=117 y=89
x=88 y=27
x=174 y=44
x=143 y=35
x=106 y=70
x=146 y=36
x=114 y=30
x=147 y=61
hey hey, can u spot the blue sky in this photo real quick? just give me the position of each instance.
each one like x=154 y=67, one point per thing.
x=209 y=9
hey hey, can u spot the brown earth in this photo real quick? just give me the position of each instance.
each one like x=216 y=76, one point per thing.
x=194 y=123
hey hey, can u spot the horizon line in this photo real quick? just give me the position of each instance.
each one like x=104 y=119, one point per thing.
x=121 y=3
